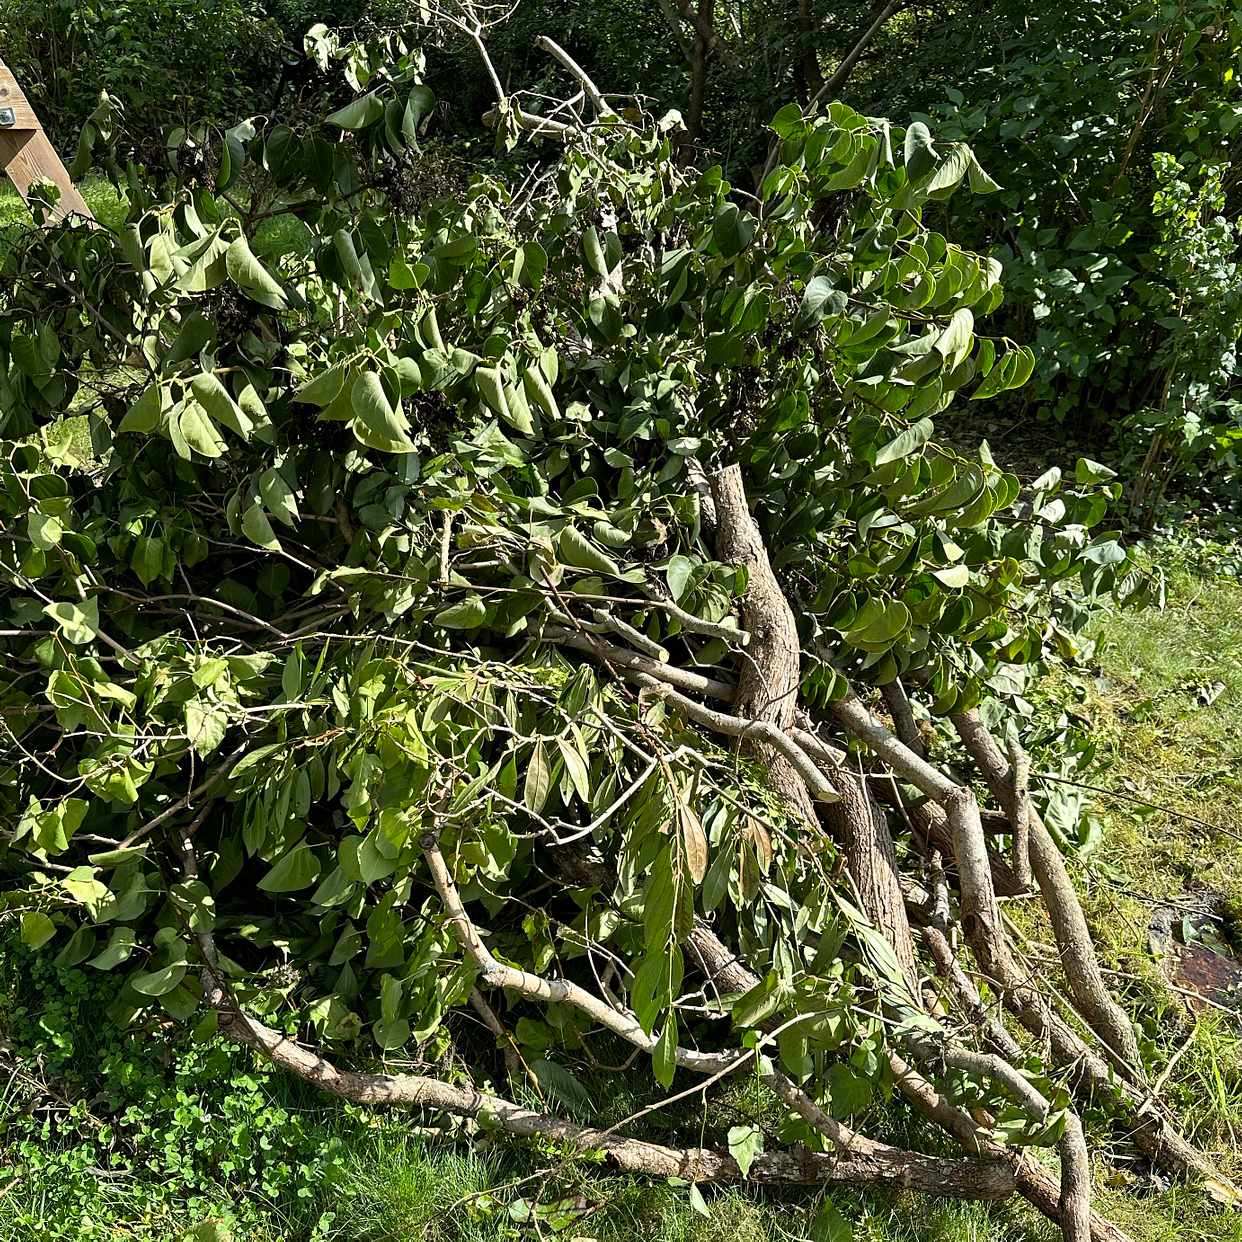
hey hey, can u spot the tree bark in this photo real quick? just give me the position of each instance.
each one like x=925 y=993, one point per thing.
x=771 y=670
x=808 y=60
x=869 y=1163
x=860 y=827
x=1082 y=969
x=704 y=45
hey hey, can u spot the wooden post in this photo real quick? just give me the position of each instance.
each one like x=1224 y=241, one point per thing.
x=26 y=155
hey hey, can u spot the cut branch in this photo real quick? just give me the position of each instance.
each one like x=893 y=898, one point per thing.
x=967 y=1179
x=592 y=92
x=1082 y=969
x=768 y=684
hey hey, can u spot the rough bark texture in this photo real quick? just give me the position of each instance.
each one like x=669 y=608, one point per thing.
x=904 y=724
x=1035 y=1183
x=1082 y=969
x=861 y=829
x=868 y=1162
x=704 y=45
x=767 y=690
x=768 y=686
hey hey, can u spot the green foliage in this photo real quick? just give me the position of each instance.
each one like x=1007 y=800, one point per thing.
x=1105 y=125
x=169 y=60
x=306 y=603
x=179 y=1131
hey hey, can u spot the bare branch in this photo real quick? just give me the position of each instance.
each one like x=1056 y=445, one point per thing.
x=598 y=102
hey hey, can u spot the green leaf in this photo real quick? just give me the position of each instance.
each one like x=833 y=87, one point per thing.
x=745 y=1143
x=920 y=152
x=593 y=252
x=215 y=399
x=1088 y=471
x=79 y=623
x=538 y=783
x=980 y=182
x=953 y=576
x=198 y=431
x=468 y=615
x=575 y=549
x=557 y=1082
x=848 y=1091
x=324 y=388
x=530 y=264
x=37 y=929
x=158 y=982
x=252 y=278
x=257 y=528
x=905 y=443
x=880 y=627
x=539 y=391
x=664 y=1058
x=954 y=343
x=732 y=230
x=44 y=531
x=829 y=1225
x=377 y=424
x=677 y=574
x=1023 y=366
x=205 y=726
x=577 y=768
x=359 y=113
x=278 y=496
x=492 y=390
x=147 y=412
x=297 y=870
x=119 y=949
x=147 y=559
x=357 y=267
x=821 y=299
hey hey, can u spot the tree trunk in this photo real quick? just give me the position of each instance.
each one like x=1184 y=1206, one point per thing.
x=770 y=676
x=860 y=827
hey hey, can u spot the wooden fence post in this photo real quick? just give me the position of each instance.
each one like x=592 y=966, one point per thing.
x=26 y=155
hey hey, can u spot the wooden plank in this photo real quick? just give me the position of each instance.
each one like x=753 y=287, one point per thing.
x=12 y=96
x=27 y=157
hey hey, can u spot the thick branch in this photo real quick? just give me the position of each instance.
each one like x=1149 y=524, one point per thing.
x=592 y=92
x=861 y=828
x=841 y=74
x=770 y=675
x=781 y=744
x=1082 y=969
x=495 y=974
x=969 y=1179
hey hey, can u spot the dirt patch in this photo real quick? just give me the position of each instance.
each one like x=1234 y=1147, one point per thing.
x=1196 y=947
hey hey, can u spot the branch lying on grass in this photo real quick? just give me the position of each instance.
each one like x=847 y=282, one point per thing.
x=873 y=1164
x=1082 y=969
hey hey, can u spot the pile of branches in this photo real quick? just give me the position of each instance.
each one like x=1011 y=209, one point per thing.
x=541 y=599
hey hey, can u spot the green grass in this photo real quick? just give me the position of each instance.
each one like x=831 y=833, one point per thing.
x=100 y=197
x=275 y=236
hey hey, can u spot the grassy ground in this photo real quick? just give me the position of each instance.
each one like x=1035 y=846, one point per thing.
x=278 y=235
x=100 y=197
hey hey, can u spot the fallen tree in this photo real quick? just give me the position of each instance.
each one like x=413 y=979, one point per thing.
x=502 y=600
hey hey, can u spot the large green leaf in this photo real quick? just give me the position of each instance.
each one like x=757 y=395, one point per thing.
x=297 y=870
x=251 y=277
x=377 y=423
